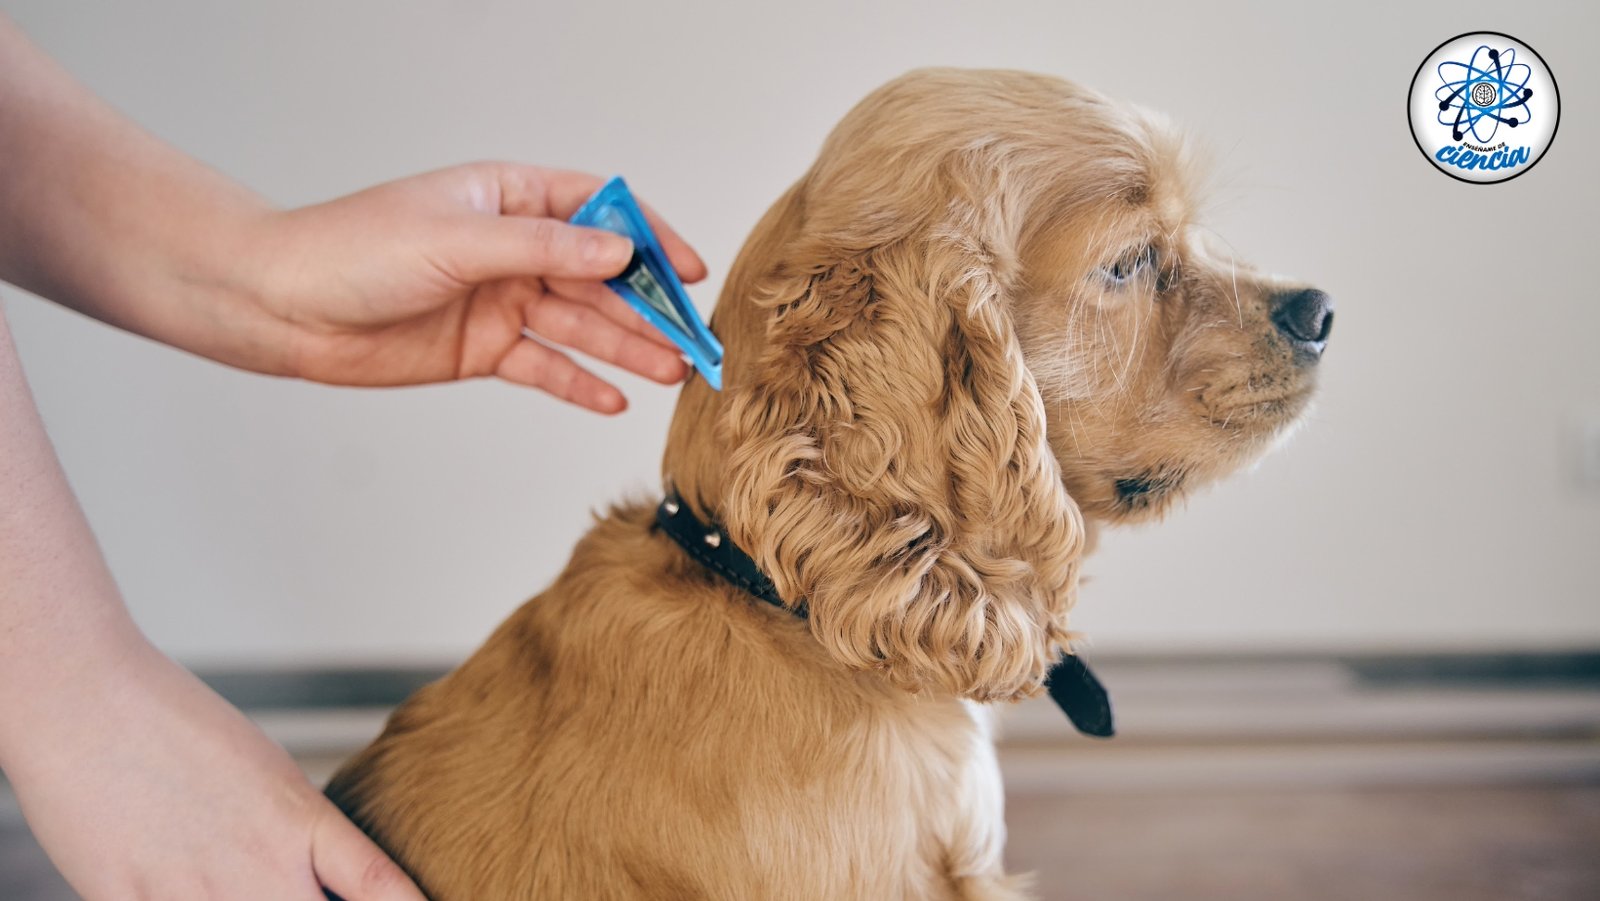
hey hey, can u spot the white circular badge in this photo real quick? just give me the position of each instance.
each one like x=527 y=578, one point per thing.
x=1484 y=107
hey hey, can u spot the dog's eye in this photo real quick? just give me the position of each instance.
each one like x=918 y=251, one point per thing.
x=1130 y=266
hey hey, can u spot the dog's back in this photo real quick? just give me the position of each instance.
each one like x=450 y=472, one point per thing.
x=641 y=730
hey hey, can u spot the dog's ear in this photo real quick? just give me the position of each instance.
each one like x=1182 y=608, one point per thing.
x=888 y=464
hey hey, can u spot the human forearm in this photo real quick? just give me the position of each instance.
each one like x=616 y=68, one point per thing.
x=61 y=616
x=101 y=216
x=136 y=778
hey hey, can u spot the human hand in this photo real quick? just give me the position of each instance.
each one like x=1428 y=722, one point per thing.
x=437 y=277
x=426 y=279
x=149 y=785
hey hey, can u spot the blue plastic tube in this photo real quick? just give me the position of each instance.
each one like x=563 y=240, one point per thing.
x=649 y=284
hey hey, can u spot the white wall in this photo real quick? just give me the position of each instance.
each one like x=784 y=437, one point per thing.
x=1432 y=502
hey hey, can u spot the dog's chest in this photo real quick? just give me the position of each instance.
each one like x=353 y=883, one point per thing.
x=902 y=804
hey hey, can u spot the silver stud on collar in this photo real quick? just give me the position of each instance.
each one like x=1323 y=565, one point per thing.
x=714 y=539
x=671 y=506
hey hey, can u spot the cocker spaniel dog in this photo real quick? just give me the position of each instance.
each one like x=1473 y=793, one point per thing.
x=983 y=324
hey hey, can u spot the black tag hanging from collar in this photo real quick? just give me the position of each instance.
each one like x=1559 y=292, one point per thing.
x=1080 y=696
x=1070 y=683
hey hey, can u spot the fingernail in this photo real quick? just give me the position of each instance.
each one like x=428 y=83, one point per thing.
x=672 y=371
x=606 y=249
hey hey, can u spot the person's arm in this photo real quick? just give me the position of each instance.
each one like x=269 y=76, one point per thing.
x=135 y=777
x=99 y=215
x=433 y=278
x=138 y=780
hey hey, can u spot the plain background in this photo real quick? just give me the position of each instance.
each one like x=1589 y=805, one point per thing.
x=1434 y=500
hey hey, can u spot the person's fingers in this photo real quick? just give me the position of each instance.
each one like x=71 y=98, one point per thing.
x=614 y=308
x=349 y=865
x=582 y=327
x=683 y=258
x=553 y=372
x=565 y=191
x=485 y=248
x=536 y=191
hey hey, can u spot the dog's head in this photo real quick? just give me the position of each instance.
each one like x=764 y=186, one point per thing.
x=982 y=317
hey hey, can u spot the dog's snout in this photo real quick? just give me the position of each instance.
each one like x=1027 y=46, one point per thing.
x=1305 y=317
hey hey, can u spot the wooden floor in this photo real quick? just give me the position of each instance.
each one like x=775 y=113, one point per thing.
x=1431 y=844
x=25 y=873
x=1434 y=844
x=1298 y=780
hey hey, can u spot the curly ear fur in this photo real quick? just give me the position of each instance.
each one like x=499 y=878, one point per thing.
x=888 y=460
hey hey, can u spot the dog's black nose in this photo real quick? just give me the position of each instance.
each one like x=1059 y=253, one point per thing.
x=1305 y=317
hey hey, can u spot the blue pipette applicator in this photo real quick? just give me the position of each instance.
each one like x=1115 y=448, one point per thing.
x=650 y=284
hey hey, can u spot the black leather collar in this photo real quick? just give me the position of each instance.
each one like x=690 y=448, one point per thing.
x=1070 y=683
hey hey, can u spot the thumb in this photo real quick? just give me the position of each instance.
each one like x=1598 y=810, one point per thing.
x=496 y=247
x=350 y=866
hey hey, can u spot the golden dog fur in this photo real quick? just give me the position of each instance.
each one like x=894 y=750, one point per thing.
x=980 y=325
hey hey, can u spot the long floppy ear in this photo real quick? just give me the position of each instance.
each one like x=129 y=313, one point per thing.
x=888 y=463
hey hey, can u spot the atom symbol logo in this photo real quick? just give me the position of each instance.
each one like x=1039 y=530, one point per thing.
x=1497 y=102
x=1497 y=90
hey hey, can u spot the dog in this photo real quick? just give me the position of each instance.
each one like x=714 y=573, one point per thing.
x=982 y=326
